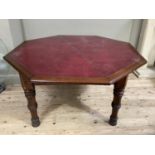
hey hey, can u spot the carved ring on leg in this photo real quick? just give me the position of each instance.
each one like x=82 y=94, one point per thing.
x=32 y=106
x=116 y=104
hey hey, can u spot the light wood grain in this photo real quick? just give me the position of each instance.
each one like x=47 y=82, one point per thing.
x=80 y=109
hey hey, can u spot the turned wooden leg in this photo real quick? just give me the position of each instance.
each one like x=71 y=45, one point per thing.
x=29 y=90
x=116 y=103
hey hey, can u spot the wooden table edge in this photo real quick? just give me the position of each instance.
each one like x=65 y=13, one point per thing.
x=88 y=80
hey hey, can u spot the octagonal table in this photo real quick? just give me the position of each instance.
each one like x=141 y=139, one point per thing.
x=74 y=60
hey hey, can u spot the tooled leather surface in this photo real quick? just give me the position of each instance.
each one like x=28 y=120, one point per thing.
x=74 y=56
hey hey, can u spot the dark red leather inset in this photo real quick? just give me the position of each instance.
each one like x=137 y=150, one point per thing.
x=74 y=56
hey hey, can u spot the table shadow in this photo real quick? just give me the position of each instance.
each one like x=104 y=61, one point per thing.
x=71 y=95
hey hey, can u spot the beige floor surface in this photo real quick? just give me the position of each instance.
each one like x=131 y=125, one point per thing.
x=80 y=109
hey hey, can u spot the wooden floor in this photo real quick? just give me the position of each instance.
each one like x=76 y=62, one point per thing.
x=73 y=109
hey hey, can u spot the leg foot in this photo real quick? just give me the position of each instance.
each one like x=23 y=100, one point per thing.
x=113 y=121
x=35 y=122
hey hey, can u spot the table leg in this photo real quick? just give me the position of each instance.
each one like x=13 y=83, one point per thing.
x=29 y=90
x=116 y=103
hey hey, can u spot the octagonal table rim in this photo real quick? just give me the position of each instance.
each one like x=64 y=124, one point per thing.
x=75 y=80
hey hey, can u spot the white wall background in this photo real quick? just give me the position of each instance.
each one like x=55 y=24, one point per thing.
x=118 y=29
x=11 y=35
x=5 y=33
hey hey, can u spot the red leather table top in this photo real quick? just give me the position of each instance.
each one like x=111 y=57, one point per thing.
x=74 y=57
